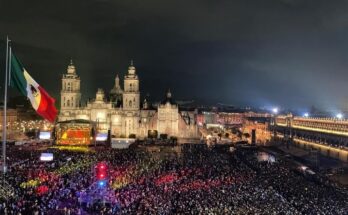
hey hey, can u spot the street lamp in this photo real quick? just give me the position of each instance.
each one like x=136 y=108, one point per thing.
x=306 y=115
x=339 y=116
x=275 y=110
x=274 y=116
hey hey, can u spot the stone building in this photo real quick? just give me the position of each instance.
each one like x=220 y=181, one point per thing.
x=121 y=111
x=70 y=93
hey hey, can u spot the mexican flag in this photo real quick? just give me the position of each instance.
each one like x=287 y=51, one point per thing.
x=39 y=98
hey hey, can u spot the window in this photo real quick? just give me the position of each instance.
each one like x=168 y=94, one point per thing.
x=130 y=103
x=68 y=103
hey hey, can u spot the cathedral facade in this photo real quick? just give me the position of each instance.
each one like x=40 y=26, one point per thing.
x=121 y=112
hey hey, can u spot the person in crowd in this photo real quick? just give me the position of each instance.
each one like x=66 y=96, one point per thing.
x=196 y=181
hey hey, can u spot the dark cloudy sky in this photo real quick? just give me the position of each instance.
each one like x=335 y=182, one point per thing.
x=289 y=53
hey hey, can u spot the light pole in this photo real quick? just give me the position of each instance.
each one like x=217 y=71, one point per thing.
x=339 y=116
x=274 y=116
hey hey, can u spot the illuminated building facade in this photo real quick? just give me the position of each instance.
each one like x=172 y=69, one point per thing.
x=11 y=115
x=263 y=134
x=11 y=119
x=123 y=114
x=70 y=93
x=231 y=119
x=323 y=125
x=327 y=135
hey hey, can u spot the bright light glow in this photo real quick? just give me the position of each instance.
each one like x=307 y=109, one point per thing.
x=339 y=116
x=306 y=115
x=101 y=116
x=275 y=110
x=101 y=137
x=45 y=135
x=72 y=148
x=46 y=157
x=303 y=168
x=101 y=183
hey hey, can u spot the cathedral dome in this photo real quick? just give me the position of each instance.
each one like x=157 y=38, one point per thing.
x=116 y=91
x=99 y=95
x=168 y=98
x=117 y=88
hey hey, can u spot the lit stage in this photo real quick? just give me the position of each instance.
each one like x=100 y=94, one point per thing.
x=75 y=132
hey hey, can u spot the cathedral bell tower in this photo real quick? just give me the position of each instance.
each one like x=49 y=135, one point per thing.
x=70 y=95
x=131 y=94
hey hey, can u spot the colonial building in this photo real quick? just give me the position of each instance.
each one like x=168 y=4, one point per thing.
x=121 y=111
x=70 y=93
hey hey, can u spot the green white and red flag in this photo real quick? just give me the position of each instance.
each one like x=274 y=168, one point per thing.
x=41 y=101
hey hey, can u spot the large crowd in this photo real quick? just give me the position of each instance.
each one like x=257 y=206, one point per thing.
x=190 y=180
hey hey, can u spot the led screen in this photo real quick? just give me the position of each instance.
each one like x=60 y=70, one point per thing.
x=45 y=135
x=101 y=137
x=80 y=136
x=46 y=157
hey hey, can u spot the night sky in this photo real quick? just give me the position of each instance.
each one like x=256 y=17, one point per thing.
x=288 y=53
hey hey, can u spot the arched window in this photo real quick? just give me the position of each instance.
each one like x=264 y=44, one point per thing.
x=68 y=103
x=130 y=103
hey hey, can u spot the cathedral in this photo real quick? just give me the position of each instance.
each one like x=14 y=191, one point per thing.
x=121 y=113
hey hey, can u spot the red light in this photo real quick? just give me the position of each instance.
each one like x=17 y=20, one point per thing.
x=101 y=176
x=101 y=166
x=101 y=171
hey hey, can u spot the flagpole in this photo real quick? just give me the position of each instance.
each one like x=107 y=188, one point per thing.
x=9 y=64
x=4 y=125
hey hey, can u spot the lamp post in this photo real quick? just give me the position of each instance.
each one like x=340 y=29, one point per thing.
x=274 y=116
x=339 y=116
x=275 y=110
